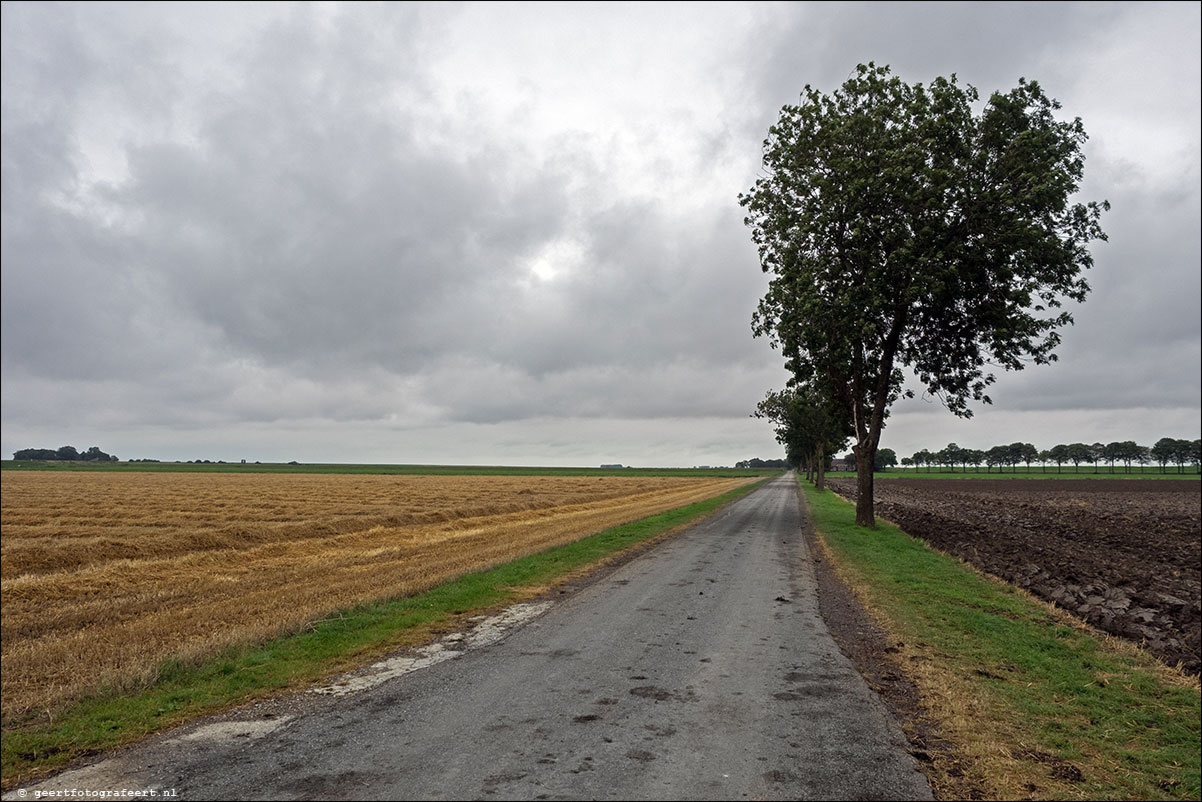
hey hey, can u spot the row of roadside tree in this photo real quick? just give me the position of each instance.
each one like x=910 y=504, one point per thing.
x=1166 y=451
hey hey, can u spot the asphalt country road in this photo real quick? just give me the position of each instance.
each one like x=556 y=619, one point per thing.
x=700 y=670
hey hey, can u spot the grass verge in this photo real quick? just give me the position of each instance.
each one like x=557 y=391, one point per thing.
x=181 y=692
x=1037 y=705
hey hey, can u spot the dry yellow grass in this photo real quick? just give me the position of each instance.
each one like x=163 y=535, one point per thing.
x=106 y=575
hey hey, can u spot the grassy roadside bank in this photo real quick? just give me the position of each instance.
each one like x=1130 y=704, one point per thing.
x=182 y=692
x=1037 y=705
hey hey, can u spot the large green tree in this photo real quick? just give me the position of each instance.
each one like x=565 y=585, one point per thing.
x=903 y=229
x=886 y=458
x=1059 y=454
x=1078 y=453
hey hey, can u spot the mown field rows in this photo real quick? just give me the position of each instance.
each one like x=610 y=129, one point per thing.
x=106 y=575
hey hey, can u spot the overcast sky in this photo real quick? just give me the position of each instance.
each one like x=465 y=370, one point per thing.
x=510 y=234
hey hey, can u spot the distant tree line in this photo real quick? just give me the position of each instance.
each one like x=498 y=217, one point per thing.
x=885 y=459
x=1167 y=451
x=65 y=454
x=763 y=463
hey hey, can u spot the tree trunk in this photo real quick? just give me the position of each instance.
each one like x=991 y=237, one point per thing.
x=865 y=455
x=820 y=469
x=868 y=422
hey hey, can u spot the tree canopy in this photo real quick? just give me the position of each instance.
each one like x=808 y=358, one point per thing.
x=66 y=453
x=902 y=229
x=809 y=426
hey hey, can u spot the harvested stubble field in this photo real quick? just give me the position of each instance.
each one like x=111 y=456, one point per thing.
x=1125 y=555
x=107 y=575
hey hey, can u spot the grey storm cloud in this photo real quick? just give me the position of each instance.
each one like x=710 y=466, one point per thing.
x=288 y=217
x=988 y=45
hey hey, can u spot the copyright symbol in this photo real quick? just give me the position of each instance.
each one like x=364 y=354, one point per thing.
x=22 y=793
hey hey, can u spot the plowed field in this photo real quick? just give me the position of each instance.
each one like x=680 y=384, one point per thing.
x=1125 y=555
x=105 y=575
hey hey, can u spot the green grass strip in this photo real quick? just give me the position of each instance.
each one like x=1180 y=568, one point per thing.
x=1129 y=726
x=186 y=691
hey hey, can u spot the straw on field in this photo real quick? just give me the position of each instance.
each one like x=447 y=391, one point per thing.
x=106 y=575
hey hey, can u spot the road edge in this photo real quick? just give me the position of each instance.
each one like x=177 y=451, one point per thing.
x=867 y=645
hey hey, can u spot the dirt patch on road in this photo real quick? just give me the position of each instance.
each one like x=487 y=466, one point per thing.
x=1124 y=555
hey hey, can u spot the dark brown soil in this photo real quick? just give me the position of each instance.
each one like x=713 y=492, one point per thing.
x=1125 y=555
